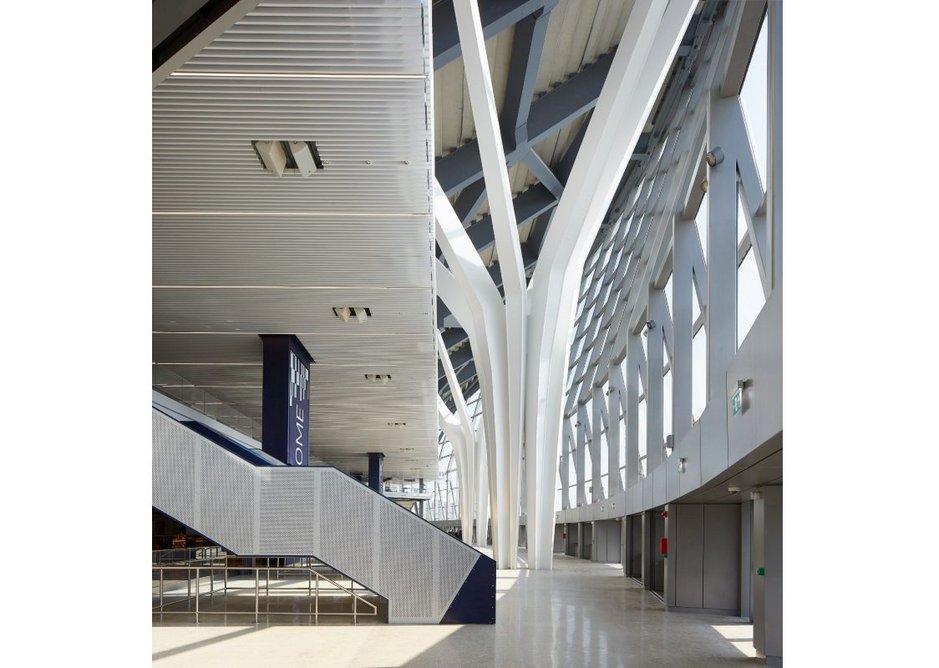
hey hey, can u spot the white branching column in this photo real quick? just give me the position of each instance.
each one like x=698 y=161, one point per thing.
x=650 y=40
x=451 y=427
x=467 y=442
x=467 y=289
x=506 y=338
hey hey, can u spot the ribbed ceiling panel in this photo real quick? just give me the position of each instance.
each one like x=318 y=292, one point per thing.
x=292 y=310
x=350 y=37
x=371 y=137
x=238 y=251
x=291 y=251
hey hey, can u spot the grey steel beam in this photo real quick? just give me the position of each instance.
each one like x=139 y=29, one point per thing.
x=463 y=374
x=496 y=16
x=566 y=164
x=527 y=47
x=548 y=114
x=453 y=337
x=571 y=99
x=469 y=201
x=543 y=173
x=528 y=205
x=458 y=359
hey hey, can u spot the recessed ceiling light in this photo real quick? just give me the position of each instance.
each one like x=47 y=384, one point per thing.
x=281 y=156
x=382 y=378
x=347 y=313
x=398 y=424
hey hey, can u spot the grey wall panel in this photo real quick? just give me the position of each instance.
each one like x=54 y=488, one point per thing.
x=688 y=553
x=722 y=556
x=689 y=447
x=287 y=513
x=672 y=476
x=746 y=521
x=410 y=602
x=173 y=485
x=713 y=443
x=647 y=492
x=658 y=485
x=227 y=498
x=758 y=360
x=350 y=512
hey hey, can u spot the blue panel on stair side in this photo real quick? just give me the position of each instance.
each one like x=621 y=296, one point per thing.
x=475 y=603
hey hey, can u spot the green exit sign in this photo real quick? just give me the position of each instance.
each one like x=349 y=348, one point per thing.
x=737 y=400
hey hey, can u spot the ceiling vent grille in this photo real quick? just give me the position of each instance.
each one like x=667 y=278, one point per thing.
x=288 y=156
x=357 y=313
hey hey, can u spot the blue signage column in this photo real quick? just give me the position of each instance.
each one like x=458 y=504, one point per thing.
x=375 y=461
x=285 y=410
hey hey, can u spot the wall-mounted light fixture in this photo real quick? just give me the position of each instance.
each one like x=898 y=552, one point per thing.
x=682 y=464
x=714 y=157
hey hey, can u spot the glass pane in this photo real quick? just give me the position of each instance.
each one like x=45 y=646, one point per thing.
x=701 y=222
x=695 y=306
x=750 y=299
x=668 y=295
x=604 y=455
x=753 y=101
x=741 y=216
x=699 y=349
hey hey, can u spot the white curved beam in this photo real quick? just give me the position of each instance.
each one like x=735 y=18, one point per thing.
x=487 y=331
x=499 y=193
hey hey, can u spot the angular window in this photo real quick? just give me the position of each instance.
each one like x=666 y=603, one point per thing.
x=753 y=99
x=701 y=223
x=699 y=353
x=750 y=298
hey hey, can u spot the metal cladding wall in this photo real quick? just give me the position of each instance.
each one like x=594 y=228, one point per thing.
x=322 y=512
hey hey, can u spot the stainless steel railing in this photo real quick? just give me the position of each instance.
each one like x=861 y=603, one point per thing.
x=186 y=554
x=217 y=585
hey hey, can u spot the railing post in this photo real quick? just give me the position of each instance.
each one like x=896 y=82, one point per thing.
x=257 y=592
x=161 y=592
x=197 y=595
x=317 y=617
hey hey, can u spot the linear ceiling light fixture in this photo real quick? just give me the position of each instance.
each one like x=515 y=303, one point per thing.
x=382 y=378
x=284 y=156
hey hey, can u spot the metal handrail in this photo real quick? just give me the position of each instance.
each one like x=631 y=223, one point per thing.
x=187 y=554
x=312 y=592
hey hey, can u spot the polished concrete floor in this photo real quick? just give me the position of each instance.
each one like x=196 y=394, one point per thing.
x=579 y=614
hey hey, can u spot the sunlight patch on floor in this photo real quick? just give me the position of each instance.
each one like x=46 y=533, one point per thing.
x=740 y=636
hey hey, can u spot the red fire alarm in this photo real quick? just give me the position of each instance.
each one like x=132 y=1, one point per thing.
x=665 y=514
x=663 y=546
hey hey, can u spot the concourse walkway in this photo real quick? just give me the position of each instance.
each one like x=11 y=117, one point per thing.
x=579 y=614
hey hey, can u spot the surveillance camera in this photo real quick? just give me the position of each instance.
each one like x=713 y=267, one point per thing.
x=733 y=490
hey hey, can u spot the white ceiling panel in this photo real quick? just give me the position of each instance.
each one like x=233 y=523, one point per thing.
x=238 y=251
